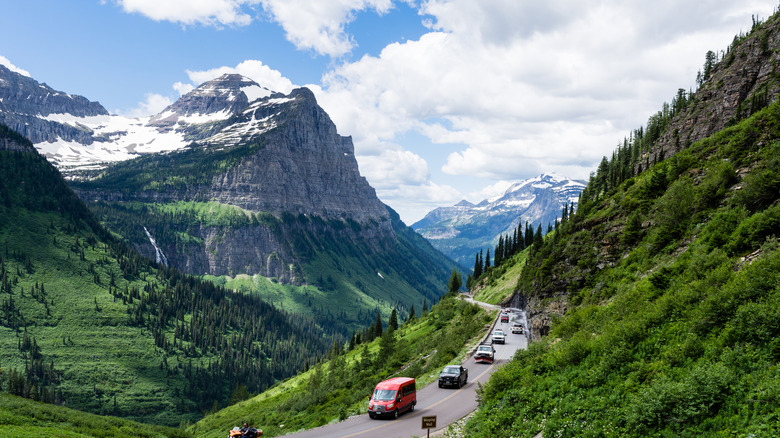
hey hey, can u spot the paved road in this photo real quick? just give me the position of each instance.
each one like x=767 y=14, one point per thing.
x=448 y=405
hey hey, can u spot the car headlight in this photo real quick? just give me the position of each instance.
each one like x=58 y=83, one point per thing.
x=390 y=405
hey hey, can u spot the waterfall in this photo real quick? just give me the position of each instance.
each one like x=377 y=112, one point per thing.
x=158 y=254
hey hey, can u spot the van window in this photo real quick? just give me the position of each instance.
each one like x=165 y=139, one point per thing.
x=384 y=394
x=408 y=389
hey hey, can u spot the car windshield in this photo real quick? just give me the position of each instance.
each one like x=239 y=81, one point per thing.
x=384 y=394
x=484 y=348
x=498 y=332
x=451 y=370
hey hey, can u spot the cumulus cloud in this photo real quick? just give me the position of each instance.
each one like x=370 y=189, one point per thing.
x=189 y=12
x=313 y=25
x=153 y=104
x=528 y=88
x=518 y=87
x=395 y=167
x=7 y=63
x=319 y=25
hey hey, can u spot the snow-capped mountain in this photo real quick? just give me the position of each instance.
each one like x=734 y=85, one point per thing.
x=212 y=101
x=76 y=134
x=462 y=230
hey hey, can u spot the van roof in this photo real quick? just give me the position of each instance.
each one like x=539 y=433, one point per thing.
x=394 y=382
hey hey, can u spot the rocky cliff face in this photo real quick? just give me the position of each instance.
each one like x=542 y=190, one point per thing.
x=11 y=141
x=743 y=81
x=300 y=165
x=277 y=154
x=462 y=230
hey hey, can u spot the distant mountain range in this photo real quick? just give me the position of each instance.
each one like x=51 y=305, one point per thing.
x=464 y=229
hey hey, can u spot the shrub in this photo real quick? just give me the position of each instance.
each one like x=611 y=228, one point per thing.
x=759 y=189
x=670 y=402
x=673 y=211
x=754 y=230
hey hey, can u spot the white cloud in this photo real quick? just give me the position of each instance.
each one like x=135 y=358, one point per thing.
x=153 y=104
x=394 y=167
x=309 y=24
x=189 y=12
x=319 y=25
x=253 y=69
x=490 y=191
x=183 y=88
x=4 y=61
x=523 y=87
x=413 y=202
x=528 y=88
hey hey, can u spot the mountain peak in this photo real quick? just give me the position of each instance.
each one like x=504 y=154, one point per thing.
x=213 y=100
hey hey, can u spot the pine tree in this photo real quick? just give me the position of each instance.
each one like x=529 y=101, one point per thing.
x=487 y=260
x=378 y=325
x=538 y=237
x=520 y=239
x=455 y=281
x=499 y=252
x=393 y=321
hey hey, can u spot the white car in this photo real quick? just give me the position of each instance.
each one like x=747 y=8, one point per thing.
x=498 y=337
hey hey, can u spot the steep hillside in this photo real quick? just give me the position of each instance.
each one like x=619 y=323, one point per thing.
x=655 y=305
x=464 y=229
x=336 y=388
x=88 y=323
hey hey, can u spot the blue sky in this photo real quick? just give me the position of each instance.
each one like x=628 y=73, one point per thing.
x=445 y=99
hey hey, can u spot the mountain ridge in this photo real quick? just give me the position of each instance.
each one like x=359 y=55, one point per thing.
x=462 y=230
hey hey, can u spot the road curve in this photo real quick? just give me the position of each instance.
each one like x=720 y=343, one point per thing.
x=448 y=405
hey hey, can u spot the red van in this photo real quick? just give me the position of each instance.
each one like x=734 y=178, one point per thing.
x=393 y=396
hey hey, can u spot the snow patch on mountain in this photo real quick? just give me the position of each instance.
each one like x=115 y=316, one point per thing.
x=115 y=138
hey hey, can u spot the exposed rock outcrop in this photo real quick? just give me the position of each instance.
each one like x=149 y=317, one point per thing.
x=743 y=81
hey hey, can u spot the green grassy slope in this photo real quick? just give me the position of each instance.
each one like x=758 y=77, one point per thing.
x=670 y=332
x=88 y=323
x=336 y=388
x=20 y=417
x=500 y=283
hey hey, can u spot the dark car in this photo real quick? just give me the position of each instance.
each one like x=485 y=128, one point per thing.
x=453 y=375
